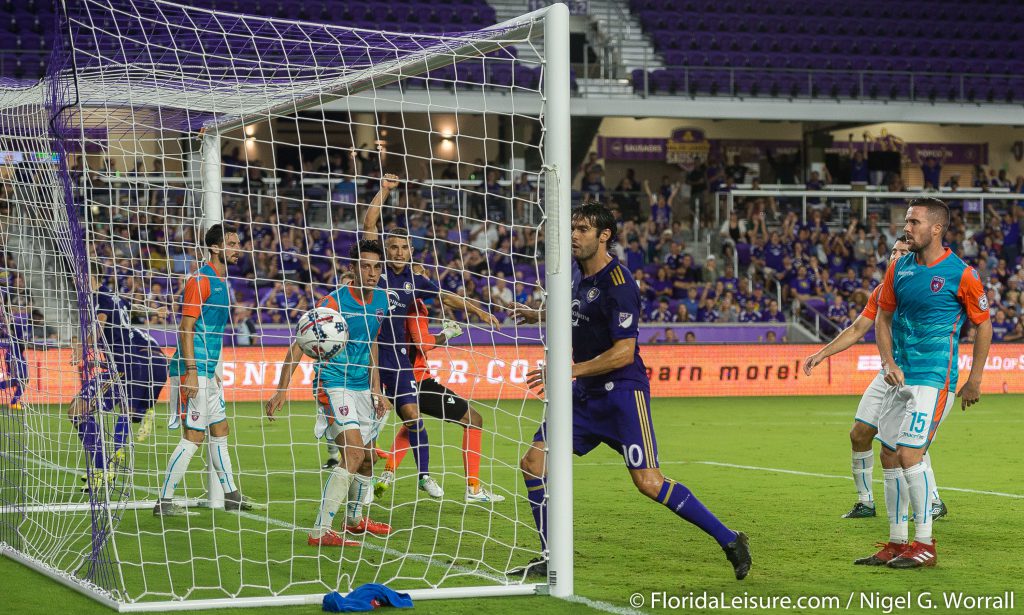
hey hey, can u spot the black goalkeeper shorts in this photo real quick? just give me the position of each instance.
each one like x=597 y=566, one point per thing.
x=440 y=402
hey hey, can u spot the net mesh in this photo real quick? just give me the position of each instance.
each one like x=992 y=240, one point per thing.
x=155 y=121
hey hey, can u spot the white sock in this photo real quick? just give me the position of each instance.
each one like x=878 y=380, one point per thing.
x=920 y=501
x=335 y=494
x=176 y=467
x=333 y=450
x=931 y=478
x=863 y=467
x=360 y=494
x=897 y=504
x=222 y=462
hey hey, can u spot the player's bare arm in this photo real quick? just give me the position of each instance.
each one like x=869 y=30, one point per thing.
x=850 y=336
x=883 y=339
x=618 y=356
x=970 y=393
x=388 y=183
x=291 y=361
x=469 y=306
x=187 y=332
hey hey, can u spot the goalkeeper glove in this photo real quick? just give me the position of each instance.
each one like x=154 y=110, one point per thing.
x=451 y=329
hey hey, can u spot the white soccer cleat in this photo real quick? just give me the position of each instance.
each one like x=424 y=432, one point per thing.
x=483 y=496
x=430 y=485
x=382 y=483
x=146 y=427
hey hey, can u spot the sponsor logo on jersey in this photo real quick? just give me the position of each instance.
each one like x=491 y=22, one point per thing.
x=937 y=283
x=904 y=274
x=593 y=294
x=575 y=312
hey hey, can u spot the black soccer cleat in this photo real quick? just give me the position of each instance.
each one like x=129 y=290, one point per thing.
x=738 y=552
x=939 y=510
x=536 y=567
x=860 y=510
x=329 y=464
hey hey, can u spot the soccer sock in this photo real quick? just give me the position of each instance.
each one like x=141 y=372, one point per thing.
x=121 y=432
x=222 y=462
x=471 y=442
x=931 y=478
x=863 y=466
x=536 y=493
x=920 y=500
x=176 y=467
x=680 y=500
x=420 y=448
x=333 y=450
x=360 y=492
x=897 y=504
x=89 y=434
x=335 y=494
x=18 y=391
x=399 y=448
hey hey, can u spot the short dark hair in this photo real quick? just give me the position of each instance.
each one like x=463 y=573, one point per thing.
x=599 y=216
x=366 y=245
x=936 y=208
x=399 y=232
x=216 y=234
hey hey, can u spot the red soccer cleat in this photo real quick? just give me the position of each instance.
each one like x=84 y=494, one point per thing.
x=919 y=555
x=331 y=539
x=368 y=526
x=889 y=552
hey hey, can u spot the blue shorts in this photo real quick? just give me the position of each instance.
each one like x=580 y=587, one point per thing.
x=399 y=385
x=145 y=377
x=620 y=418
x=96 y=390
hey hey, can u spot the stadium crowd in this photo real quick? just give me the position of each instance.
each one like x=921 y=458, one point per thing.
x=767 y=265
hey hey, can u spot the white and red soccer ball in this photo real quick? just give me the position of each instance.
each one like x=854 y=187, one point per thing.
x=322 y=333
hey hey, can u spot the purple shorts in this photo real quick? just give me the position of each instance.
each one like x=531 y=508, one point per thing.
x=620 y=418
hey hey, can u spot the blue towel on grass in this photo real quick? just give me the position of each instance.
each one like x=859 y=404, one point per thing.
x=366 y=598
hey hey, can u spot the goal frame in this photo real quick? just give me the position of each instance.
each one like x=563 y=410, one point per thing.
x=557 y=311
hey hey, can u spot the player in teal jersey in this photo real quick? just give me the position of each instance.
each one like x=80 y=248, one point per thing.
x=930 y=293
x=349 y=399
x=865 y=422
x=197 y=395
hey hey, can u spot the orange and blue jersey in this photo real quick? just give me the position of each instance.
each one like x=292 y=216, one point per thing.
x=350 y=369
x=931 y=301
x=205 y=298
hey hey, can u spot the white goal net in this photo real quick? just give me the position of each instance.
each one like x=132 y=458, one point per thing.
x=158 y=121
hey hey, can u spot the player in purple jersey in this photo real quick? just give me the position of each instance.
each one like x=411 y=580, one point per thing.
x=404 y=286
x=15 y=334
x=611 y=392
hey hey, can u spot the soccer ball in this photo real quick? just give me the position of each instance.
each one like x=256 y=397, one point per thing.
x=322 y=333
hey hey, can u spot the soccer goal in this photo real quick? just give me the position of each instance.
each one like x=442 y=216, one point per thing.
x=159 y=120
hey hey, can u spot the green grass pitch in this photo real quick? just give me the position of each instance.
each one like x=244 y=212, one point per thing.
x=776 y=468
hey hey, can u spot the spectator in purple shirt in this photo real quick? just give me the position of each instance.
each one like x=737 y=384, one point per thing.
x=773 y=314
x=662 y=313
x=774 y=252
x=662 y=284
x=1000 y=326
x=848 y=283
x=751 y=313
x=661 y=205
x=837 y=309
x=729 y=280
x=932 y=171
x=859 y=173
x=636 y=257
x=674 y=259
x=707 y=312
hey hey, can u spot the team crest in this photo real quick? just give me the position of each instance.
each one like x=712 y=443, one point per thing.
x=380 y=313
x=343 y=411
x=408 y=287
x=625 y=319
x=983 y=303
x=592 y=294
x=937 y=283
x=195 y=415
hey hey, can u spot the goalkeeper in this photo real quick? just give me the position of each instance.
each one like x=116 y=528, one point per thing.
x=440 y=402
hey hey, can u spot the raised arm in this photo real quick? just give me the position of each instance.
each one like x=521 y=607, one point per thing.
x=469 y=306
x=372 y=216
